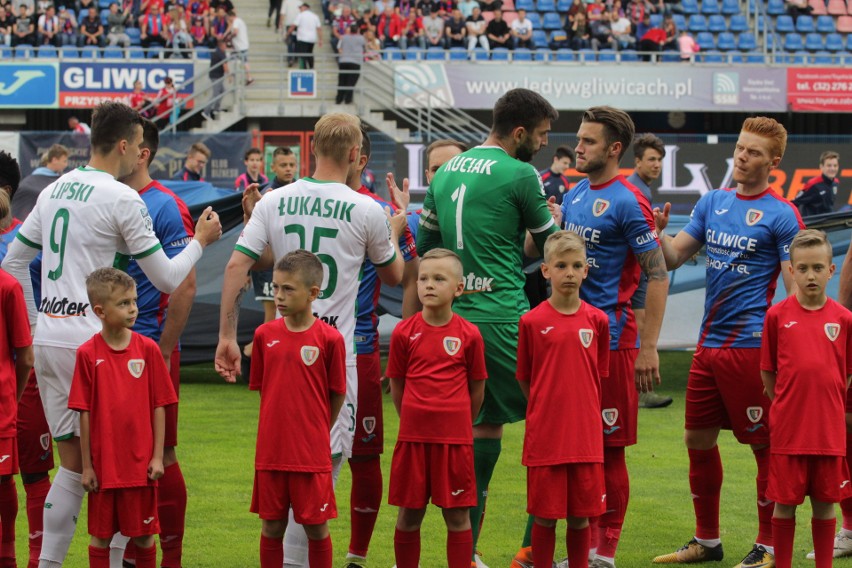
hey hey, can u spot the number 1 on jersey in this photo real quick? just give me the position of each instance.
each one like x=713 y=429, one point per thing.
x=458 y=197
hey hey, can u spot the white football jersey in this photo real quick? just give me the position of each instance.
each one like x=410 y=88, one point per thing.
x=83 y=221
x=339 y=225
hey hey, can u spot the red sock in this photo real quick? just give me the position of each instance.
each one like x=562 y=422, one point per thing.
x=594 y=529
x=617 y=496
x=578 y=542
x=365 y=500
x=846 y=504
x=543 y=544
x=406 y=548
x=784 y=531
x=320 y=553
x=36 y=494
x=765 y=507
x=147 y=557
x=98 y=557
x=171 y=510
x=705 y=483
x=8 y=514
x=130 y=552
x=822 y=531
x=271 y=552
x=459 y=548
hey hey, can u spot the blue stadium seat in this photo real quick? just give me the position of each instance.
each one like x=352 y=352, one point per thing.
x=774 y=42
x=392 y=54
x=414 y=53
x=458 y=54
x=541 y=54
x=90 y=52
x=717 y=24
x=690 y=7
x=133 y=34
x=706 y=40
x=656 y=20
x=670 y=56
x=814 y=42
x=23 y=52
x=697 y=23
x=5 y=52
x=793 y=42
x=726 y=41
x=154 y=52
x=539 y=38
x=527 y=5
x=562 y=6
x=607 y=55
x=825 y=24
x=798 y=58
x=113 y=53
x=754 y=57
x=135 y=52
x=47 y=52
x=436 y=54
x=746 y=42
x=738 y=23
x=761 y=23
x=834 y=42
x=805 y=24
x=104 y=14
x=499 y=54
x=551 y=21
x=202 y=52
x=69 y=52
x=629 y=55
x=710 y=7
x=565 y=55
x=712 y=56
x=522 y=54
x=104 y=4
x=823 y=58
x=679 y=20
x=545 y=6
x=535 y=20
x=784 y=24
x=81 y=15
x=587 y=54
x=480 y=54
x=730 y=7
x=776 y=8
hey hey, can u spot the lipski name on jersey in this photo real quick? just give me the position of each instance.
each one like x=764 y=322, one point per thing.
x=72 y=190
x=315 y=206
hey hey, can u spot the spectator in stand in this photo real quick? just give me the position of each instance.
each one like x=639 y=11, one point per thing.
x=217 y=74
x=456 y=30
x=601 y=33
x=404 y=8
x=240 y=42
x=199 y=8
x=389 y=28
x=490 y=5
x=164 y=103
x=67 y=27
x=796 y=8
x=352 y=47
x=154 y=28
x=687 y=46
x=466 y=7
x=6 y=23
x=146 y=5
x=580 y=38
x=180 y=39
x=817 y=196
x=219 y=28
x=412 y=32
x=198 y=30
x=308 y=28
x=651 y=42
x=636 y=12
x=433 y=28
x=48 y=27
x=576 y=6
x=23 y=32
x=139 y=100
x=74 y=125
x=193 y=167
x=341 y=25
x=289 y=12
x=117 y=24
x=476 y=25
x=621 y=30
x=594 y=10
x=498 y=32
x=522 y=30
x=53 y=164
x=372 y=47
x=362 y=6
x=91 y=30
x=670 y=27
x=274 y=10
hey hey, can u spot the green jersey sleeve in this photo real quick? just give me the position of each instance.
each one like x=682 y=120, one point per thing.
x=429 y=231
x=530 y=196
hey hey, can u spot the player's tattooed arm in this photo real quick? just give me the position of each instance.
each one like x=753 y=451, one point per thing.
x=647 y=371
x=653 y=264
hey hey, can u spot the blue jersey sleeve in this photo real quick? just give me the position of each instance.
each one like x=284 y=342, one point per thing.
x=787 y=228
x=696 y=227
x=638 y=225
x=170 y=229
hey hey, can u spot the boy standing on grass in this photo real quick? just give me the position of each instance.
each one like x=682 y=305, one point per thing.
x=253 y=161
x=437 y=371
x=806 y=366
x=563 y=446
x=297 y=362
x=120 y=387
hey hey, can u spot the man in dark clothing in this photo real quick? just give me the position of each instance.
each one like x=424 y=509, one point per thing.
x=91 y=30
x=818 y=194
x=553 y=178
x=217 y=79
x=498 y=32
x=53 y=164
x=196 y=160
x=23 y=31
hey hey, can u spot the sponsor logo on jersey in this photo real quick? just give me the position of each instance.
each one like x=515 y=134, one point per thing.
x=148 y=521
x=146 y=218
x=586 y=336
x=575 y=200
x=589 y=234
x=754 y=413
x=61 y=308
x=4 y=457
x=832 y=330
x=136 y=366
x=309 y=354
x=324 y=507
x=753 y=216
x=368 y=439
x=790 y=324
x=729 y=240
x=273 y=343
x=610 y=416
x=330 y=320
x=452 y=345
x=457 y=492
x=415 y=336
x=369 y=423
x=35 y=535
x=646 y=238
x=99 y=361
x=720 y=211
x=546 y=330
x=599 y=207
x=44 y=440
x=474 y=283
x=844 y=484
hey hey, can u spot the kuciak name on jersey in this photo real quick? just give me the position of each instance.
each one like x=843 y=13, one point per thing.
x=470 y=165
x=316 y=207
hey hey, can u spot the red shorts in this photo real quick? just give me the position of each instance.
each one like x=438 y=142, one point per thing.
x=131 y=510
x=309 y=494
x=823 y=478
x=369 y=429
x=443 y=472
x=724 y=390
x=8 y=456
x=35 y=447
x=619 y=400
x=170 y=439
x=566 y=490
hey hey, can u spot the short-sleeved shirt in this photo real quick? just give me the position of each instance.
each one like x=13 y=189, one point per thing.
x=174 y=229
x=811 y=352
x=14 y=334
x=80 y=223
x=616 y=222
x=120 y=389
x=340 y=226
x=522 y=28
x=480 y=205
x=436 y=363
x=307 y=23
x=563 y=357
x=367 y=322
x=295 y=371
x=747 y=238
x=497 y=28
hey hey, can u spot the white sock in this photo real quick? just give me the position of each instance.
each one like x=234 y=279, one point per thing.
x=769 y=549
x=49 y=564
x=336 y=466
x=350 y=555
x=605 y=559
x=708 y=542
x=295 y=544
x=116 y=550
x=61 y=509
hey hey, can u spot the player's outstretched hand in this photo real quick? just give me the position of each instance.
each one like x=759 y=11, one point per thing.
x=555 y=210
x=647 y=371
x=208 y=229
x=227 y=361
x=661 y=217
x=89 y=480
x=155 y=469
x=399 y=197
x=397 y=221
x=251 y=196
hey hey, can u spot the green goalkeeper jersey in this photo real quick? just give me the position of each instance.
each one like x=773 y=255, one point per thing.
x=479 y=205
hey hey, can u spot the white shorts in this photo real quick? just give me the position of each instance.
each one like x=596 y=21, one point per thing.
x=54 y=369
x=343 y=431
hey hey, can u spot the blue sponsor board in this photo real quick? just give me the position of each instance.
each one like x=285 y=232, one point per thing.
x=84 y=84
x=28 y=85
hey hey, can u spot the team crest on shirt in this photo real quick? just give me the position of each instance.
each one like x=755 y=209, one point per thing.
x=753 y=216
x=586 y=336
x=599 y=207
x=146 y=217
x=754 y=413
x=832 y=330
x=136 y=366
x=610 y=416
x=369 y=423
x=44 y=440
x=452 y=345
x=309 y=354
